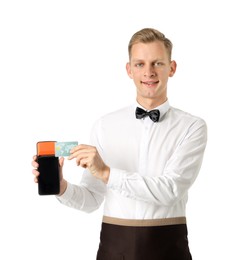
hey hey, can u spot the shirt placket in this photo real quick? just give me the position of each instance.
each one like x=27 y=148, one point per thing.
x=144 y=145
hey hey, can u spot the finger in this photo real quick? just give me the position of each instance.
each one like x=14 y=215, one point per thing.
x=61 y=161
x=82 y=151
x=76 y=148
x=83 y=163
x=76 y=154
x=35 y=164
x=81 y=147
x=34 y=158
x=70 y=157
x=35 y=173
x=73 y=154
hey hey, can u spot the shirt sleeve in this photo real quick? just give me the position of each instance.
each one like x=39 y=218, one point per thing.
x=86 y=197
x=179 y=174
x=89 y=194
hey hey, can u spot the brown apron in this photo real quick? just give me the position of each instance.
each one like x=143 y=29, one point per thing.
x=124 y=242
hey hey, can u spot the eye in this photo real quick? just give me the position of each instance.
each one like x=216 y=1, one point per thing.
x=158 y=64
x=139 y=65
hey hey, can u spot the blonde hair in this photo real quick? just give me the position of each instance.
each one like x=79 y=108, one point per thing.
x=148 y=35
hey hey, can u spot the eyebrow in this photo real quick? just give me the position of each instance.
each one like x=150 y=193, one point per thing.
x=140 y=60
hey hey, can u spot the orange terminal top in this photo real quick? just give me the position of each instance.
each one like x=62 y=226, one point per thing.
x=46 y=148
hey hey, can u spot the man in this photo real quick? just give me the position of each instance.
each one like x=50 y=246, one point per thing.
x=141 y=162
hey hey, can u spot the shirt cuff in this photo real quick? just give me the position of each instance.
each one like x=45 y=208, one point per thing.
x=67 y=195
x=116 y=179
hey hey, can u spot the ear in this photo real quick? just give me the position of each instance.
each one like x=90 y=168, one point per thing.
x=128 y=69
x=173 y=67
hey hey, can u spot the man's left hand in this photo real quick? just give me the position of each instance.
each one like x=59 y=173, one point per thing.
x=88 y=157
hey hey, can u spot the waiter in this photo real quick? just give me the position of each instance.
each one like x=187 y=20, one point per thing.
x=141 y=162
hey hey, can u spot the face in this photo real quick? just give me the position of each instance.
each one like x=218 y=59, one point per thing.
x=150 y=68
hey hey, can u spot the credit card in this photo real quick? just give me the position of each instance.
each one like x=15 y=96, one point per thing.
x=63 y=148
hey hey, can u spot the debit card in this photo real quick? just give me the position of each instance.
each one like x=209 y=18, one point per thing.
x=63 y=148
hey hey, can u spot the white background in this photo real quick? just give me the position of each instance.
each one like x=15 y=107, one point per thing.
x=62 y=65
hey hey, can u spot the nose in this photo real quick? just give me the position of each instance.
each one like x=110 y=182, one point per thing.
x=149 y=71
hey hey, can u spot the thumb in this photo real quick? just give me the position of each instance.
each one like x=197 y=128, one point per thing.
x=61 y=162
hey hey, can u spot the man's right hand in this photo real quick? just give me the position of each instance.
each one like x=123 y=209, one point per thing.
x=36 y=173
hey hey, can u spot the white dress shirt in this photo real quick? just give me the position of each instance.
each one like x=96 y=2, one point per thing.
x=152 y=165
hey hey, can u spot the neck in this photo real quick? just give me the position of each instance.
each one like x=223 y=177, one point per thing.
x=150 y=104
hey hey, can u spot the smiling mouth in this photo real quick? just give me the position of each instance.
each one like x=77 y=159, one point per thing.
x=150 y=83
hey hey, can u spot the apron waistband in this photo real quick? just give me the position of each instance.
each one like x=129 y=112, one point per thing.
x=144 y=222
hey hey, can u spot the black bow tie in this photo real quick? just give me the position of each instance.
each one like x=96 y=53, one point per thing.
x=153 y=114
